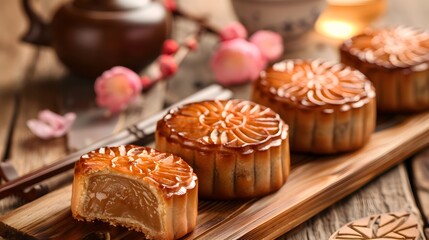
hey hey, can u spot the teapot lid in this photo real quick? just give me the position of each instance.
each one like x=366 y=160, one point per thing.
x=110 y=5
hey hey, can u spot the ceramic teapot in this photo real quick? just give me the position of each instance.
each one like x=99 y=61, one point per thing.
x=91 y=36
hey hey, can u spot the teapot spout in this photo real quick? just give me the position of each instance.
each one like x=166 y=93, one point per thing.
x=38 y=32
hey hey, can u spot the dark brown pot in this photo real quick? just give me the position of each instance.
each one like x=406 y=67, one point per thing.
x=91 y=36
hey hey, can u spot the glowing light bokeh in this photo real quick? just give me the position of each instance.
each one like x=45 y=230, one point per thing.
x=345 y=18
x=337 y=29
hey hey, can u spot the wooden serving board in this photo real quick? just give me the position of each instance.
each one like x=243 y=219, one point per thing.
x=314 y=184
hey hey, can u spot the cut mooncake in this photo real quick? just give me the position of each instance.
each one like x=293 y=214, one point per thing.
x=238 y=149
x=396 y=60
x=328 y=106
x=138 y=188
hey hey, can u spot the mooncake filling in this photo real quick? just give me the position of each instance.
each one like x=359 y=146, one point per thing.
x=117 y=198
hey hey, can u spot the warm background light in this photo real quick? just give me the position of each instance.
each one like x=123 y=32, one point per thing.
x=345 y=18
x=337 y=29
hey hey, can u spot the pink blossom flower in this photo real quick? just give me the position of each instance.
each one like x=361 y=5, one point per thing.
x=170 y=47
x=146 y=81
x=192 y=44
x=232 y=31
x=171 y=5
x=167 y=65
x=237 y=61
x=116 y=88
x=269 y=43
x=51 y=125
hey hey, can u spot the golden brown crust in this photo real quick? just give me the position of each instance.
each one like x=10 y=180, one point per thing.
x=223 y=141
x=396 y=60
x=233 y=125
x=316 y=84
x=171 y=173
x=329 y=107
x=168 y=179
x=389 y=48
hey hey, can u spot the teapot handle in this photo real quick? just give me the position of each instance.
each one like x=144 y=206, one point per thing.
x=38 y=32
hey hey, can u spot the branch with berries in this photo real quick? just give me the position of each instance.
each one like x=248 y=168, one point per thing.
x=237 y=60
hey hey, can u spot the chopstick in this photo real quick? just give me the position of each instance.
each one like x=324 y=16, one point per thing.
x=138 y=131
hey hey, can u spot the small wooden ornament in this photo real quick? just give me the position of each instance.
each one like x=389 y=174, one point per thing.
x=385 y=226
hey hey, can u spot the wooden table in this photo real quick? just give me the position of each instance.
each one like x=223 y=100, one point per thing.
x=32 y=79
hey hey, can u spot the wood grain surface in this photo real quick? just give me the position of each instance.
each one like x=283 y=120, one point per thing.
x=314 y=184
x=387 y=193
x=420 y=170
